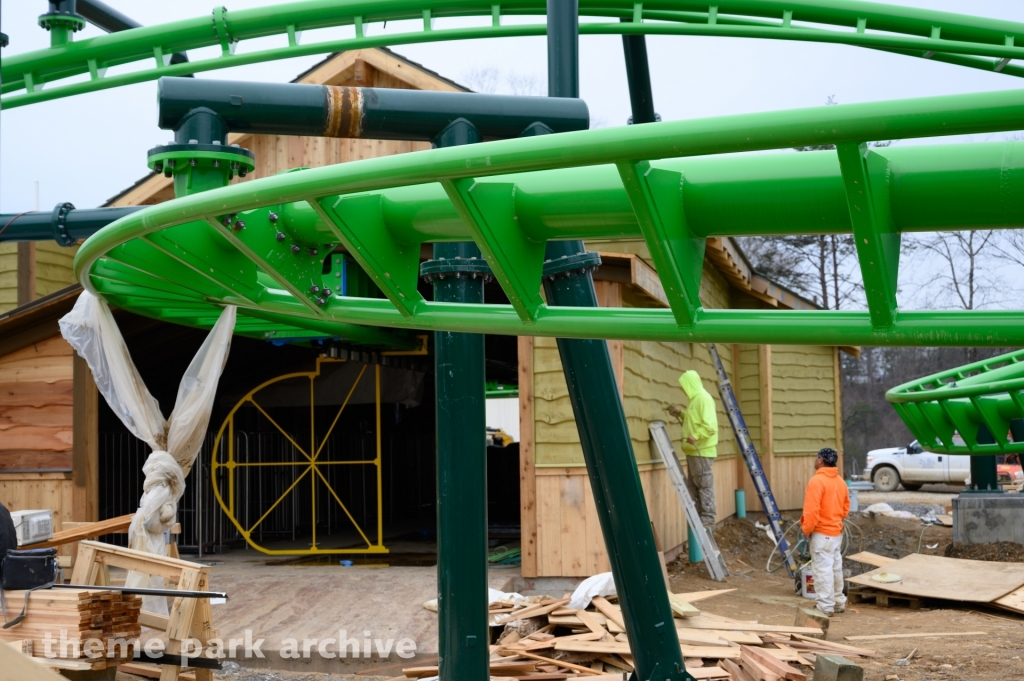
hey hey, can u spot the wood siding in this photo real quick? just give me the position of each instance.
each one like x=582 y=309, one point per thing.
x=36 y=407
x=34 y=491
x=45 y=263
x=804 y=416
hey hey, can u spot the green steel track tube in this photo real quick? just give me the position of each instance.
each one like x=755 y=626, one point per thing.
x=458 y=272
x=601 y=421
x=103 y=16
x=373 y=113
x=65 y=229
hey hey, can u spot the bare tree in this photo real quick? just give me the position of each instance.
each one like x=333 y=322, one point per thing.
x=965 y=272
x=483 y=80
x=819 y=266
x=1010 y=247
x=490 y=80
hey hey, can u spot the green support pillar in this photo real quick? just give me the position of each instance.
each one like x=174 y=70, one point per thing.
x=594 y=394
x=611 y=465
x=458 y=273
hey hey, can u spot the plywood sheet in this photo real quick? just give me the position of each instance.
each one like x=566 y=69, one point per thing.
x=1013 y=601
x=972 y=581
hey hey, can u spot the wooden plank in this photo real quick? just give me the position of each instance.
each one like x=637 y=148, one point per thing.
x=736 y=672
x=527 y=478
x=85 y=449
x=681 y=607
x=694 y=596
x=564 y=665
x=622 y=648
x=86 y=531
x=717 y=634
x=152 y=671
x=611 y=612
x=971 y=581
x=767 y=447
x=549 y=526
x=702 y=622
x=764 y=657
x=589 y=620
x=753 y=665
x=533 y=611
x=839 y=647
x=573 y=523
x=837 y=392
x=944 y=634
x=872 y=559
x=15 y=665
x=1012 y=601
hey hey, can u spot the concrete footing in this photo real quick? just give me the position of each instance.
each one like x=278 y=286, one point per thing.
x=980 y=518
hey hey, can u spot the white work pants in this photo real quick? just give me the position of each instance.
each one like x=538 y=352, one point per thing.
x=827 y=566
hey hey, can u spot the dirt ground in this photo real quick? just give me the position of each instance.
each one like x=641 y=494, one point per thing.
x=771 y=599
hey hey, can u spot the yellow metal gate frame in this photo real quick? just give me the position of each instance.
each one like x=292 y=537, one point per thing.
x=312 y=464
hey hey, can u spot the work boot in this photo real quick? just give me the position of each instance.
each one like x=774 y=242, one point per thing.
x=840 y=608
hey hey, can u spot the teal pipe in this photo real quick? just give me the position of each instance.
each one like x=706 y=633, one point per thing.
x=354 y=112
x=694 y=553
x=741 y=504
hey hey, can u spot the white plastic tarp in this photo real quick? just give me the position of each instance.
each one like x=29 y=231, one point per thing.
x=91 y=330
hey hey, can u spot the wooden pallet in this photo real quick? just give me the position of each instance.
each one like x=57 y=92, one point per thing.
x=884 y=599
x=188 y=617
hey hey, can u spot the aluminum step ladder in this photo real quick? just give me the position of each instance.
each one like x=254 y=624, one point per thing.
x=712 y=555
x=764 y=490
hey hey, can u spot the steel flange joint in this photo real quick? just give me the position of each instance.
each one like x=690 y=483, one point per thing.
x=457 y=267
x=571 y=265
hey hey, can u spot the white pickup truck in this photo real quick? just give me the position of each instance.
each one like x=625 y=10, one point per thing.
x=913 y=466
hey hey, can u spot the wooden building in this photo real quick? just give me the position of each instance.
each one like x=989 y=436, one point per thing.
x=789 y=396
x=48 y=403
x=50 y=440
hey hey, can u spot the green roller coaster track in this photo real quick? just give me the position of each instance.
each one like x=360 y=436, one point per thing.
x=974 y=409
x=671 y=184
x=986 y=44
x=179 y=260
x=271 y=246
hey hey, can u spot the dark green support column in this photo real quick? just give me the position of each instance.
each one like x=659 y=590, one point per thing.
x=594 y=393
x=458 y=272
x=638 y=76
x=611 y=464
x=984 y=475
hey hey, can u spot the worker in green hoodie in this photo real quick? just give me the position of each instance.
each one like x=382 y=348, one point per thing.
x=700 y=437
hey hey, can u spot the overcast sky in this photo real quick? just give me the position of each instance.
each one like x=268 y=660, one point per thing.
x=87 y=148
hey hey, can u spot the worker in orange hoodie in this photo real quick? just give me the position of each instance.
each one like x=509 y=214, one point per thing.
x=826 y=504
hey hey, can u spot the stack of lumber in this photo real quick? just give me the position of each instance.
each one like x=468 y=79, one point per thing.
x=92 y=622
x=955 y=579
x=548 y=640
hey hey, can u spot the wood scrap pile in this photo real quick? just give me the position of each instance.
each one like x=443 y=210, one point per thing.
x=549 y=640
x=80 y=629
